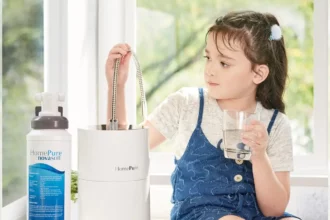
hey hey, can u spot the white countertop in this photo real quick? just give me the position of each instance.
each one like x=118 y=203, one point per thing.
x=74 y=212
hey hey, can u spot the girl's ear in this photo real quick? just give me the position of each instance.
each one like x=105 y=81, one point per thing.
x=260 y=73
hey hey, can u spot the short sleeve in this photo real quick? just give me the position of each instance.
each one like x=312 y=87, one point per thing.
x=166 y=117
x=280 y=145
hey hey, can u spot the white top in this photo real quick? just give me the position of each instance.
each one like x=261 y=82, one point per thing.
x=176 y=118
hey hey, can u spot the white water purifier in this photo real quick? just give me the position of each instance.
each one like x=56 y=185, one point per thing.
x=113 y=167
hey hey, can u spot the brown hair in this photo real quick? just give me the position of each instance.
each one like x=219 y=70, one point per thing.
x=252 y=30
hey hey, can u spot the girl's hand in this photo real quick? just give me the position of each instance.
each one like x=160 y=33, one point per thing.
x=122 y=51
x=256 y=137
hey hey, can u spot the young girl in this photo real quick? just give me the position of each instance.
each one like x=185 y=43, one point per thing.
x=246 y=70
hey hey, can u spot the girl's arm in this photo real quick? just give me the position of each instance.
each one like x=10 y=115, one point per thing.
x=272 y=188
x=155 y=137
x=271 y=164
x=123 y=51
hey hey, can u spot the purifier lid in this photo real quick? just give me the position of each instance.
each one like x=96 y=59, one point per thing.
x=50 y=122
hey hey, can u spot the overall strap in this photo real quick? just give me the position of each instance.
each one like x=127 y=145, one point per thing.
x=201 y=107
x=271 y=123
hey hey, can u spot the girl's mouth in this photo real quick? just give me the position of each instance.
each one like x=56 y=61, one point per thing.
x=213 y=84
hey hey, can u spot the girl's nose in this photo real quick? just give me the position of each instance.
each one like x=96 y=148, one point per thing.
x=209 y=72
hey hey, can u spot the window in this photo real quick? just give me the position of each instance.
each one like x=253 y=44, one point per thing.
x=22 y=77
x=173 y=33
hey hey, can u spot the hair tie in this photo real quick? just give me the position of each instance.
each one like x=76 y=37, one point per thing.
x=276 y=32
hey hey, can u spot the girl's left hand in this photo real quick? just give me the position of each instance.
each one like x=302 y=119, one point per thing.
x=255 y=136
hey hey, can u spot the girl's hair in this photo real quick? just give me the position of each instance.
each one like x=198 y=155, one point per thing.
x=253 y=30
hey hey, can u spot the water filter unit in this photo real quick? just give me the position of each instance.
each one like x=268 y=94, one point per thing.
x=113 y=167
x=49 y=162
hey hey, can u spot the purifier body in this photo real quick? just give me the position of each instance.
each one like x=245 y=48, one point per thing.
x=49 y=174
x=113 y=167
x=49 y=162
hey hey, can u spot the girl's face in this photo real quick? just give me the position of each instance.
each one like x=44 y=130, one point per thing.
x=228 y=74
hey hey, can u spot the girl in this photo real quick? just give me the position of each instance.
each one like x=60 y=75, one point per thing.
x=246 y=70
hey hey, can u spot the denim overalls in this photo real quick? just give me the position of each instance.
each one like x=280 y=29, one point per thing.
x=208 y=186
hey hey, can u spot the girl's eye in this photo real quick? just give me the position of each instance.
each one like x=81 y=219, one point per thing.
x=224 y=64
x=208 y=58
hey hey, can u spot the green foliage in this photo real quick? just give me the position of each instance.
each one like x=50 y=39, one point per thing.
x=74 y=185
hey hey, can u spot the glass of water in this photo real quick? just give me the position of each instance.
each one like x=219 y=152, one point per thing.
x=233 y=126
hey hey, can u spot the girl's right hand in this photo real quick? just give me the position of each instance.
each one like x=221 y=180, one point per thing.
x=122 y=51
